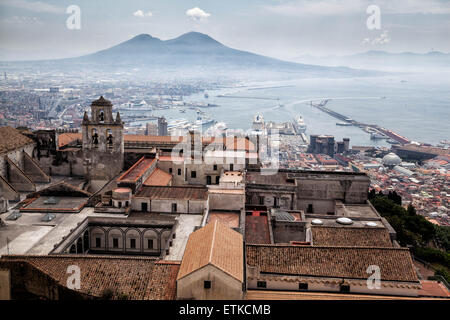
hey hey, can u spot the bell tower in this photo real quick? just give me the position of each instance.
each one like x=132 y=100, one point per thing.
x=103 y=146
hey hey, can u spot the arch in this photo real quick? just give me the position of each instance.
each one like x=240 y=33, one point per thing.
x=98 y=232
x=133 y=233
x=109 y=138
x=165 y=236
x=101 y=115
x=94 y=136
x=86 y=242
x=73 y=249
x=115 y=233
x=151 y=234
x=80 y=245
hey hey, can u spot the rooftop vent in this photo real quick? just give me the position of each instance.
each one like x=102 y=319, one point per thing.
x=344 y=221
x=317 y=222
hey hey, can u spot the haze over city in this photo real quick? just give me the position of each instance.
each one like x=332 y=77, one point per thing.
x=279 y=29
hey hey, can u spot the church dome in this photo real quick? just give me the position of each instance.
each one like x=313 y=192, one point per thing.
x=102 y=102
x=391 y=159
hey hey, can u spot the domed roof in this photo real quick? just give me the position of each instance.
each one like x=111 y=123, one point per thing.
x=344 y=220
x=391 y=159
x=101 y=102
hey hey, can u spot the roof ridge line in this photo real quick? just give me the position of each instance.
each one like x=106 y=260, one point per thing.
x=322 y=247
x=212 y=243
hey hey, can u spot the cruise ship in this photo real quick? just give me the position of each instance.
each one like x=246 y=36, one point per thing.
x=258 y=123
x=299 y=124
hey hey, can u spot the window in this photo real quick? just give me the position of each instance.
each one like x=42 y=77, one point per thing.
x=261 y=200
x=126 y=203
x=261 y=284
x=303 y=286
x=215 y=167
x=109 y=138
x=231 y=167
x=345 y=288
x=208 y=180
x=207 y=284
x=170 y=170
x=174 y=207
x=193 y=174
x=150 y=243
x=217 y=179
x=115 y=243
x=144 y=207
x=275 y=202
x=310 y=208
x=133 y=243
x=98 y=242
x=179 y=172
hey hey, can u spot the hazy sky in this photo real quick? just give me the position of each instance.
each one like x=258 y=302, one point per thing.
x=32 y=29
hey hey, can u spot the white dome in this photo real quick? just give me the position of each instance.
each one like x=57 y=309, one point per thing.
x=344 y=220
x=316 y=222
x=391 y=159
x=371 y=224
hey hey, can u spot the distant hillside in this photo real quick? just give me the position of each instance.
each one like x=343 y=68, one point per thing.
x=376 y=59
x=190 y=55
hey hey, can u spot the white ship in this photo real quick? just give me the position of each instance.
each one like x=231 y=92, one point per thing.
x=258 y=123
x=204 y=120
x=299 y=124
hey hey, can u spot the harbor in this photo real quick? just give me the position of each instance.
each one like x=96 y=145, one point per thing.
x=376 y=132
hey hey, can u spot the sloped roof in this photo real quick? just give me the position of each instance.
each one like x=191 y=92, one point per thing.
x=158 y=178
x=338 y=262
x=217 y=245
x=67 y=138
x=171 y=192
x=11 y=139
x=351 y=237
x=140 y=278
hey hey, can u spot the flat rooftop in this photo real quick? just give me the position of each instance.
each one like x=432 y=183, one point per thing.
x=360 y=211
x=62 y=205
x=29 y=235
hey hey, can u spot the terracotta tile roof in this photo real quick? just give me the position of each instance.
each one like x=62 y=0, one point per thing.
x=169 y=192
x=350 y=236
x=257 y=229
x=291 y=295
x=151 y=139
x=139 y=278
x=137 y=169
x=158 y=178
x=340 y=262
x=217 y=245
x=230 y=219
x=67 y=138
x=433 y=289
x=11 y=139
x=231 y=143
